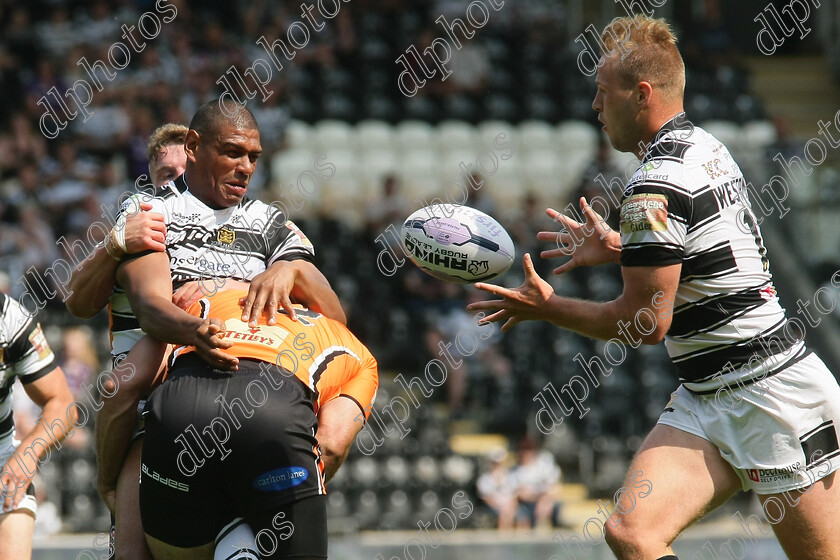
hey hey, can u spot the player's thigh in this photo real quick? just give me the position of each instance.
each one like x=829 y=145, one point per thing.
x=129 y=540
x=166 y=551
x=808 y=519
x=16 y=535
x=675 y=478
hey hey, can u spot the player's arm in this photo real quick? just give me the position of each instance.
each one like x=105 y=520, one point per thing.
x=91 y=282
x=650 y=288
x=51 y=393
x=341 y=418
x=336 y=432
x=148 y=284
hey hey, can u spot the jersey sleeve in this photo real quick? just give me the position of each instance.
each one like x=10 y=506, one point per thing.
x=655 y=213
x=131 y=206
x=285 y=240
x=28 y=353
x=361 y=385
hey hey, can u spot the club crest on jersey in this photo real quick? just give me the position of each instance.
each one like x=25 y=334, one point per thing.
x=644 y=212
x=226 y=235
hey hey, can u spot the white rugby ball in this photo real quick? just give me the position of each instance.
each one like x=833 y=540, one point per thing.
x=457 y=243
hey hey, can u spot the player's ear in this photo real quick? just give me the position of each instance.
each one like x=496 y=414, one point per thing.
x=644 y=91
x=191 y=143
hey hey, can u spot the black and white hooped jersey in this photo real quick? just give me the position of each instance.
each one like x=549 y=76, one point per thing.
x=202 y=244
x=24 y=353
x=687 y=203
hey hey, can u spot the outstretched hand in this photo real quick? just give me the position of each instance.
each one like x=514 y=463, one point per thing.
x=529 y=302
x=589 y=244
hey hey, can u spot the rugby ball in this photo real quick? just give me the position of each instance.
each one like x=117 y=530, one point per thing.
x=457 y=243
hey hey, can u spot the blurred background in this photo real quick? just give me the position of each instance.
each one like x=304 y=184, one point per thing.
x=515 y=113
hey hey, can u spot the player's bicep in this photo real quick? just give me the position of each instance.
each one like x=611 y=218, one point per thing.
x=648 y=297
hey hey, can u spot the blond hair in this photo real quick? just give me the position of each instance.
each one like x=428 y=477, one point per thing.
x=646 y=51
x=170 y=134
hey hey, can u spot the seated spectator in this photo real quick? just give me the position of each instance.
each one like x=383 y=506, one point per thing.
x=497 y=488
x=536 y=477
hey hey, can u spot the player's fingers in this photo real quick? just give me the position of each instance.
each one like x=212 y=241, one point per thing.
x=495 y=317
x=145 y=206
x=489 y=305
x=528 y=265
x=290 y=309
x=566 y=267
x=509 y=324
x=556 y=253
x=558 y=217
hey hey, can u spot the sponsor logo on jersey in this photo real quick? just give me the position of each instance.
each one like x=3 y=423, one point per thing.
x=280 y=479
x=39 y=342
x=265 y=335
x=644 y=212
x=226 y=235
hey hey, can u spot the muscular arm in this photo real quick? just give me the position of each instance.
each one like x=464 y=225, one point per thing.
x=52 y=394
x=336 y=432
x=91 y=282
x=148 y=284
x=645 y=288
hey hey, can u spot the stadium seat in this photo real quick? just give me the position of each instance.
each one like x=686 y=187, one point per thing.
x=374 y=135
x=487 y=131
x=299 y=135
x=456 y=135
x=758 y=135
x=415 y=135
x=333 y=134
x=537 y=135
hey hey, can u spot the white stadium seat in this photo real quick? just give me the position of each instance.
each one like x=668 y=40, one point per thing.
x=415 y=135
x=334 y=134
x=299 y=135
x=537 y=135
x=374 y=135
x=457 y=135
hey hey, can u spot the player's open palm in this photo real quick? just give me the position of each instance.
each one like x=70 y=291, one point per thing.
x=528 y=302
x=589 y=244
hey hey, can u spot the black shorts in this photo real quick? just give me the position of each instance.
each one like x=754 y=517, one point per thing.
x=225 y=445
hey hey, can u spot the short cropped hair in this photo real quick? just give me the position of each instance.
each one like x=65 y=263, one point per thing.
x=210 y=117
x=650 y=53
x=170 y=134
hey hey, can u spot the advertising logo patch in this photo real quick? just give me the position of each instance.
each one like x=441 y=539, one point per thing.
x=644 y=212
x=39 y=342
x=280 y=479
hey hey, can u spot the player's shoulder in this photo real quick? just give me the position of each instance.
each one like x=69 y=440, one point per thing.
x=13 y=316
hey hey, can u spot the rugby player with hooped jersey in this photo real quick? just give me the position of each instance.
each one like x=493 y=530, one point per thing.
x=26 y=355
x=755 y=408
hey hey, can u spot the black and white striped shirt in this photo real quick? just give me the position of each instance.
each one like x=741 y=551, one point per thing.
x=24 y=353
x=202 y=243
x=687 y=203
